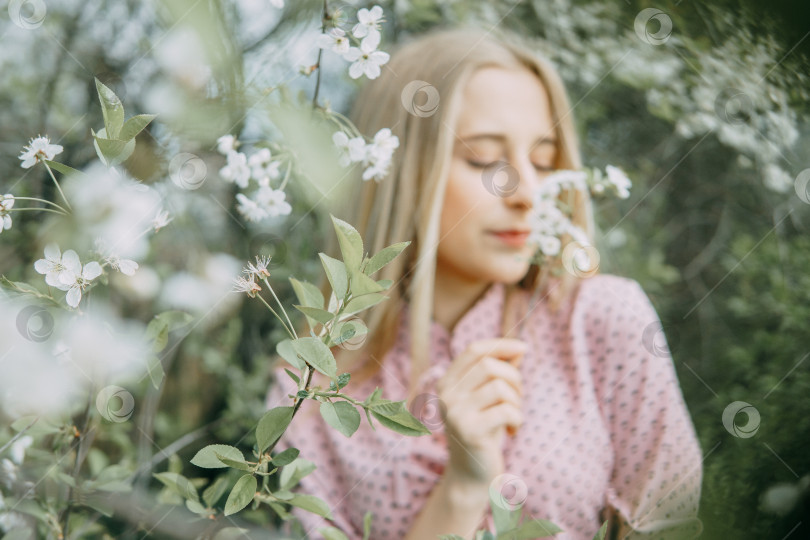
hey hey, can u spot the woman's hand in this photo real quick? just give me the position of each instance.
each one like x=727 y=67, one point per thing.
x=481 y=392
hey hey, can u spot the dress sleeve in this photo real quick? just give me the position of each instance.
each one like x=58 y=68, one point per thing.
x=309 y=434
x=655 y=484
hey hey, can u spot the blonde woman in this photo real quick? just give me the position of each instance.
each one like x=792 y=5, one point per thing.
x=562 y=404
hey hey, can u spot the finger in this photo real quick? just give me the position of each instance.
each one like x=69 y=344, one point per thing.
x=492 y=393
x=501 y=415
x=486 y=369
x=504 y=348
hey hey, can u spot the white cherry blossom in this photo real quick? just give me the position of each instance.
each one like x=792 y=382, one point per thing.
x=619 y=181
x=366 y=59
x=38 y=148
x=237 y=169
x=76 y=277
x=262 y=164
x=227 y=144
x=334 y=40
x=6 y=202
x=52 y=265
x=368 y=22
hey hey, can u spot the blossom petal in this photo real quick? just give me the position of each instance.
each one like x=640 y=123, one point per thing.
x=91 y=270
x=74 y=296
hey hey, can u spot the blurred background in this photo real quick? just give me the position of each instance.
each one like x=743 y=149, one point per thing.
x=703 y=104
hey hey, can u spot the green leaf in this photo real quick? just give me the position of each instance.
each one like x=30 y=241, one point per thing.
x=155 y=369
x=307 y=293
x=317 y=355
x=241 y=494
x=361 y=303
x=320 y=315
x=64 y=169
x=385 y=283
x=158 y=332
x=342 y=416
x=285 y=457
x=283 y=494
x=351 y=244
x=207 y=457
x=35 y=425
x=293 y=376
x=602 y=532
x=25 y=288
x=367 y=525
x=286 y=350
x=178 y=484
x=135 y=125
x=295 y=471
x=394 y=416
x=239 y=464
x=230 y=533
x=196 y=507
x=385 y=256
x=451 y=537
x=111 y=108
x=336 y=274
x=312 y=504
x=174 y=319
x=346 y=330
x=113 y=151
x=332 y=533
x=362 y=284
x=280 y=510
x=505 y=519
x=528 y=530
x=272 y=425
x=215 y=491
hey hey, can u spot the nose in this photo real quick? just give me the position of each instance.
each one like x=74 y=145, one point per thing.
x=522 y=194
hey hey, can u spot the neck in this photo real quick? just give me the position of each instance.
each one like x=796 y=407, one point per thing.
x=452 y=297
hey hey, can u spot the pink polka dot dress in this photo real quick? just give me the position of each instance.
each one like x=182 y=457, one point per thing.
x=606 y=432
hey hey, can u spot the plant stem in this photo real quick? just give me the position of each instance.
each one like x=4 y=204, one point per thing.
x=57 y=185
x=320 y=53
x=292 y=335
x=40 y=200
x=281 y=306
x=40 y=209
x=81 y=452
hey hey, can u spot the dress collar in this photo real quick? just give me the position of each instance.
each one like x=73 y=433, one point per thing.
x=481 y=321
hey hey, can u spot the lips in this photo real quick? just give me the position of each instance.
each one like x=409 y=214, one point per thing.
x=512 y=237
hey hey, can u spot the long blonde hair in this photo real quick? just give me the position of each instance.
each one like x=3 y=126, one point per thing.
x=407 y=204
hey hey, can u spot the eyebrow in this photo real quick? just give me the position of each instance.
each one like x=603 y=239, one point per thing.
x=501 y=137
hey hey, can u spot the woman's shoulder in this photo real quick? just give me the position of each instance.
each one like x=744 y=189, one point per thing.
x=613 y=300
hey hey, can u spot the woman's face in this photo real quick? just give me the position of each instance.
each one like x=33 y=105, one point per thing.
x=505 y=145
